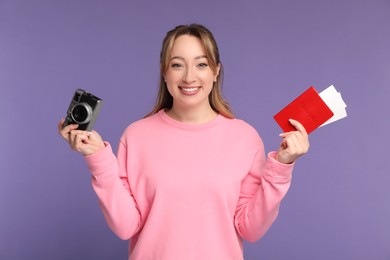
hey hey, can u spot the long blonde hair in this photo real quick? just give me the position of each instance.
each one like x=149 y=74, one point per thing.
x=164 y=98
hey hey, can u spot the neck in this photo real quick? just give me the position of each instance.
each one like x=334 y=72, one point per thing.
x=192 y=115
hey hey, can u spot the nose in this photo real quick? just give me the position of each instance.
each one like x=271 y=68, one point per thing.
x=188 y=76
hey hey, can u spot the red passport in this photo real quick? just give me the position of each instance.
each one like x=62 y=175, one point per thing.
x=308 y=109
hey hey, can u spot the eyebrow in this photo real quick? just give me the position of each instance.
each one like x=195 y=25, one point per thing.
x=196 y=58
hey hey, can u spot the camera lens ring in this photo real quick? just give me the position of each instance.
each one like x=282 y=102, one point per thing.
x=81 y=113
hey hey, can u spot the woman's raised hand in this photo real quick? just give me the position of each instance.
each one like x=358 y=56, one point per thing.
x=294 y=144
x=81 y=141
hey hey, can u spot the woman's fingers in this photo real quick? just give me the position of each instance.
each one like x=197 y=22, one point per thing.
x=300 y=128
x=294 y=143
x=79 y=140
x=65 y=132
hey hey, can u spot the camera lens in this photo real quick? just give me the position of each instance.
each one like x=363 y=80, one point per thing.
x=81 y=113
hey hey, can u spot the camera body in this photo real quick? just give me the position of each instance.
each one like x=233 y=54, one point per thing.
x=83 y=110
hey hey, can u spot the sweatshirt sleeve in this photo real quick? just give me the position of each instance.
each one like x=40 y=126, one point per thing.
x=110 y=182
x=261 y=193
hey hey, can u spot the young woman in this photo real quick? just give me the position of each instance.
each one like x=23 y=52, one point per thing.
x=189 y=181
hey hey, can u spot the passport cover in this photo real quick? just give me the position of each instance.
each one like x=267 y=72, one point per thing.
x=308 y=109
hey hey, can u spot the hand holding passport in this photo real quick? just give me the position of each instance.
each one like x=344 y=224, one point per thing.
x=313 y=109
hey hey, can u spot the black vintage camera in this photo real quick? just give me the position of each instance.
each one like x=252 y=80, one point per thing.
x=83 y=110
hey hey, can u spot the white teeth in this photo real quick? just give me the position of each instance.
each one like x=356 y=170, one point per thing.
x=189 y=89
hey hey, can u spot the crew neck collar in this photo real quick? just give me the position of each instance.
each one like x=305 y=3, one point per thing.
x=186 y=126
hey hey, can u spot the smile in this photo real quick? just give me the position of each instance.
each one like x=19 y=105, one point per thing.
x=189 y=90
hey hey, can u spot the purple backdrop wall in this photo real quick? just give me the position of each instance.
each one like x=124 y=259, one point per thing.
x=338 y=206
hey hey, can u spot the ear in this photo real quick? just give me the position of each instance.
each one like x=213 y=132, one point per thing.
x=217 y=73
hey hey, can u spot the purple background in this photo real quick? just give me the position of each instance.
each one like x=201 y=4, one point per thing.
x=339 y=204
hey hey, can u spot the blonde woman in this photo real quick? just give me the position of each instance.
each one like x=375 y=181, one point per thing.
x=189 y=181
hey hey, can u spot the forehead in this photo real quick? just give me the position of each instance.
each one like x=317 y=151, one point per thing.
x=187 y=46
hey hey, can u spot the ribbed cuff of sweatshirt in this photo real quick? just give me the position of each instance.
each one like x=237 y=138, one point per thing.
x=279 y=170
x=101 y=161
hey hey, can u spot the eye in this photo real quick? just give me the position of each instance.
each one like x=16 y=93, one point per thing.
x=203 y=65
x=176 y=65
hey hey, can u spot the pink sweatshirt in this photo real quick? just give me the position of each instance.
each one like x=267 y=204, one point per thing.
x=181 y=191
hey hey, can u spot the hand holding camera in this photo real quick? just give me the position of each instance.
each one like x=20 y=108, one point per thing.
x=76 y=128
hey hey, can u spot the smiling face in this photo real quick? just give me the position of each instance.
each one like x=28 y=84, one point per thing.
x=189 y=77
